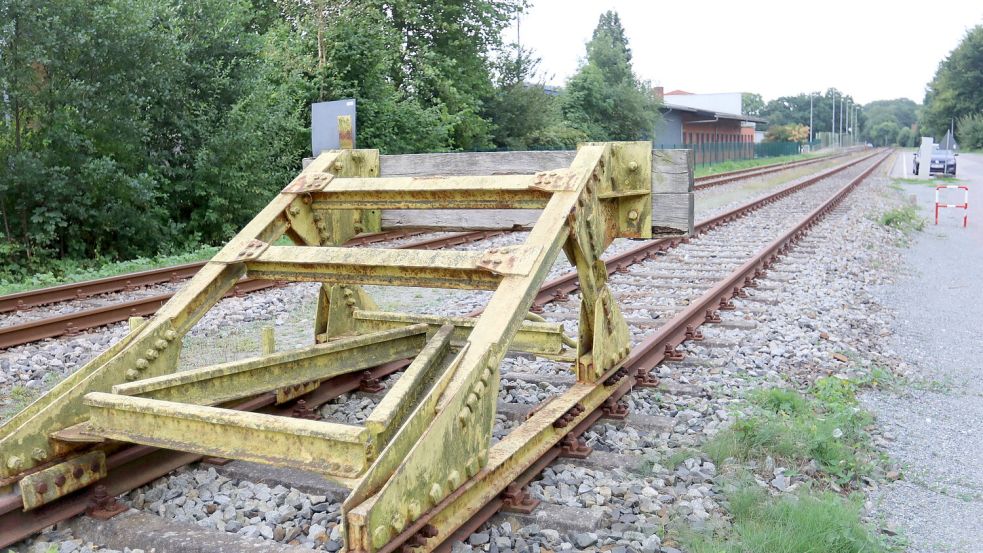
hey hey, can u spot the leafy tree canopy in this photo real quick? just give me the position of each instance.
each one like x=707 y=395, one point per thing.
x=957 y=88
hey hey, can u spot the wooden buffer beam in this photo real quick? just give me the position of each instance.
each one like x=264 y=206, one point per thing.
x=428 y=442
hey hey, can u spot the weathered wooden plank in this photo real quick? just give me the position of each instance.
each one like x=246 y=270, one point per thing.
x=474 y=163
x=672 y=214
x=672 y=171
x=460 y=219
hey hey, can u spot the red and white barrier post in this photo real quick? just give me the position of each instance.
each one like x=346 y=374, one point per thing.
x=964 y=205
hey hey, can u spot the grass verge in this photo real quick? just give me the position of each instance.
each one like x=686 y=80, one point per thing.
x=737 y=165
x=822 y=433
x=69 y=271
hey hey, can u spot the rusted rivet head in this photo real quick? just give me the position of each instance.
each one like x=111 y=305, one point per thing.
x=338 y=166
x=142 y=364
x=95 y=467
x=633 y=166
x=150 y=354
x=633 y=215
x=60 y=480
x=160 y=345
x=78 y=472
x=170 y=335
x=132 y=374
x=14 y=462
x=294 y=210
x=41 y=488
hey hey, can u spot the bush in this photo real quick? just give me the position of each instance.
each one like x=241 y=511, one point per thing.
x=970 y=131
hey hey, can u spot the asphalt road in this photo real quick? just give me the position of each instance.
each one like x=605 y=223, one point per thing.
x=938 y=418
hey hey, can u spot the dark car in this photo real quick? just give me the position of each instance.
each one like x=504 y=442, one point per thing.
x=943 y=161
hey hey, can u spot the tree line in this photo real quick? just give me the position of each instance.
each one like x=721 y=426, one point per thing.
x=136 y=127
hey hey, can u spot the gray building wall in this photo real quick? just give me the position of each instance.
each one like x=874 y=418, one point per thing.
x=670 y=130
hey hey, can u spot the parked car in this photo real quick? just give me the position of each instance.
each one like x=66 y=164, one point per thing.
x=943 y=161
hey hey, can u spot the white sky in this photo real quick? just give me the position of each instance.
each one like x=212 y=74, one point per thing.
x=883 y=50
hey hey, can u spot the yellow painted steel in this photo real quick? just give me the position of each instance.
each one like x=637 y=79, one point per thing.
x=428 y=442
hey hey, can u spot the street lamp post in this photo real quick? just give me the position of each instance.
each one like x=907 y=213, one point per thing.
x=811 y=134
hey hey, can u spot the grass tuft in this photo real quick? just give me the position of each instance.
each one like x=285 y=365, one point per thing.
x=790 y=524
x=794 y=429
x=903 y=218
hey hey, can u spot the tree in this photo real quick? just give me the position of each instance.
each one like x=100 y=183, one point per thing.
x=795 y=109
x=957 y=88
x=523 y=113
x=970 y=131
x=885 y=133
x=904 y=137
x=752 y=103
x=787 y=133
x=604 y=99
x=902 y=111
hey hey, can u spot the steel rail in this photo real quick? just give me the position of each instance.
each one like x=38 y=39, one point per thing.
x=72 y=323
x=133 y=466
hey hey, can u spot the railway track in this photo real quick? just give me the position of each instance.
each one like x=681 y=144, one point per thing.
x=136 y=465
x=77 y=321
x=72 y=323
x=710 y=181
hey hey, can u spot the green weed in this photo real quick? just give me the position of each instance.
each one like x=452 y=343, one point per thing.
x=903 y=218
x=794 y=429
x=802 y=523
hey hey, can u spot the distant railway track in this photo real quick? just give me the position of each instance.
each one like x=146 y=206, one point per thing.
x=72 y=323
x=134 y=466
x=710 y=181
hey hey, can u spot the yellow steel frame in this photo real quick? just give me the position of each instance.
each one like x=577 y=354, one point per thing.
x=428 y=442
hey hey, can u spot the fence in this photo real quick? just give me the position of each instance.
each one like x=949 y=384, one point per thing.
x=708 y=153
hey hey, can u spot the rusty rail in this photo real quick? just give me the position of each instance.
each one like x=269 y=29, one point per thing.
x=73 y=323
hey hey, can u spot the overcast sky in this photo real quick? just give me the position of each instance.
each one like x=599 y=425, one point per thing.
x=872 y=50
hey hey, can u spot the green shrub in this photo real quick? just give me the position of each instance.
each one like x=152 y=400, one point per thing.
x=903 y=218
x=970 y=131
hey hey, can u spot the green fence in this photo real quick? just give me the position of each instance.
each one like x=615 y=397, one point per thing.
x=708 y=153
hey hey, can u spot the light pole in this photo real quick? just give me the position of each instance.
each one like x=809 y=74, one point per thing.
x=811 y=134
x=832 y=125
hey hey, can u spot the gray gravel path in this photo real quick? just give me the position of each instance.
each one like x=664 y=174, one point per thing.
x=937 y=420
